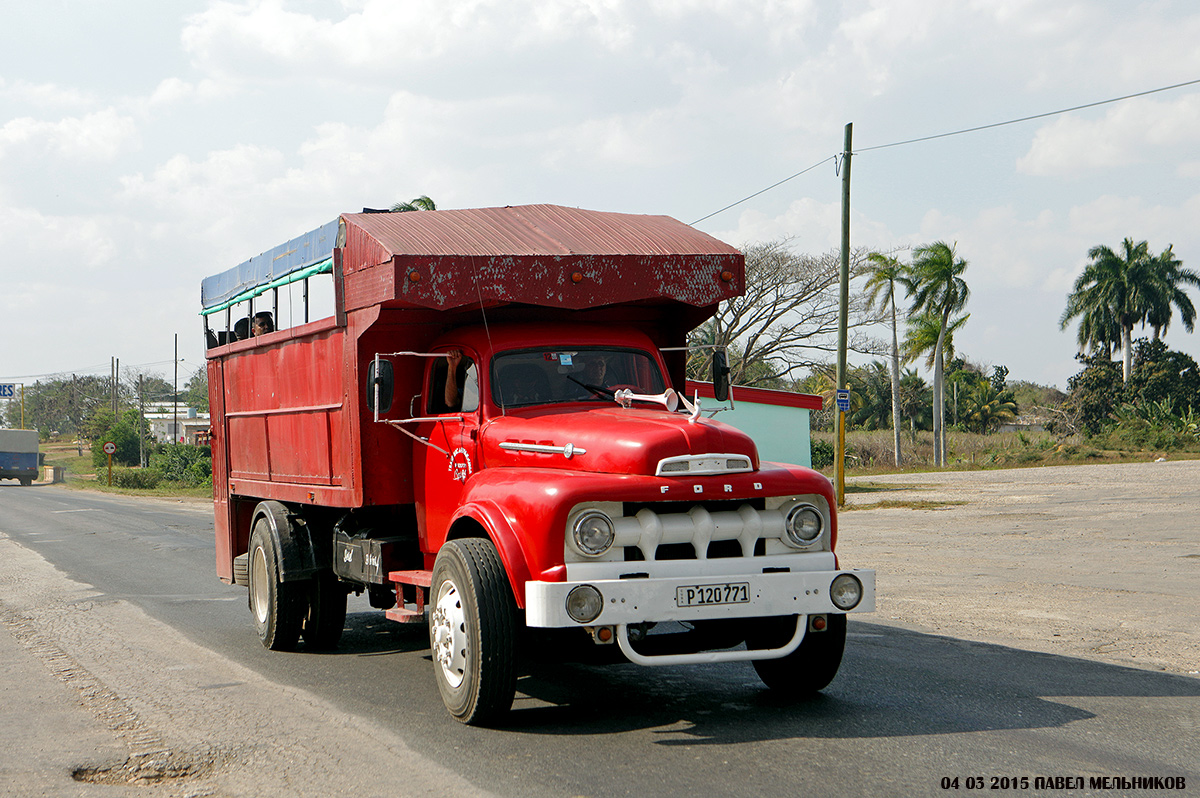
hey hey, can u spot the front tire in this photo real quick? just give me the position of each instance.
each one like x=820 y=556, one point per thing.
x=473 y=631
x=278 y=607
x=809 y=668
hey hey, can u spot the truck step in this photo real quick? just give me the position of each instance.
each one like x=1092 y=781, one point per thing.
x=406 y=615
x=418 y=582
x=418 y=578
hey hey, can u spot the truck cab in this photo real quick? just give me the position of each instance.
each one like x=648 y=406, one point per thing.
x=489 y=437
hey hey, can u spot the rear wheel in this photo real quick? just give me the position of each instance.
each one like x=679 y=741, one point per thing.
x=473 y=631
x=809 y=668
x=326 y=612
x=278 y=607
x=26 y=481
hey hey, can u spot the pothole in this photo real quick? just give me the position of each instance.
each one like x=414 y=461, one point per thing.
x=154 y=767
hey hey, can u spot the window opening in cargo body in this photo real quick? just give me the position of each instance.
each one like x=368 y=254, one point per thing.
x=579 y=374
x=275 y=308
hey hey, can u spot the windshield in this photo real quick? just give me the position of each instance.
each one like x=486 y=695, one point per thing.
x=542 y=377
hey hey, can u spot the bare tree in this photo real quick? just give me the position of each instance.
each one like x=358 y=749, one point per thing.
x=787 y=321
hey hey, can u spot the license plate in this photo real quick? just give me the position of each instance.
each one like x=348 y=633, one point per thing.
x=706 y=595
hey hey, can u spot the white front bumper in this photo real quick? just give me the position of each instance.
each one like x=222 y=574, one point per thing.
x=638 y=600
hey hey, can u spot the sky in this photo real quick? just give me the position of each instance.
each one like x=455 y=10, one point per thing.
x=146 y=145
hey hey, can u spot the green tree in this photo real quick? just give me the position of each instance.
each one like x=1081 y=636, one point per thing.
x=421 y=203
x=124 y=433
x=884 y=273
x=1119 y=290
x=1160 y=374
x=1169 y=277
x=939 y=289
x=922 y=334
x=195 y=392
x=989 y=408
x=1093 y=393
x=874 y=386
x=916 y=402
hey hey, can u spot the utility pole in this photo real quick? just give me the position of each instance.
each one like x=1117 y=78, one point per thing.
x=844 y=313
x=141 y=424
x=175 y=396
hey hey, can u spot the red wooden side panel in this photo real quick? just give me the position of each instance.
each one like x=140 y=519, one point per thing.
x=287 y=412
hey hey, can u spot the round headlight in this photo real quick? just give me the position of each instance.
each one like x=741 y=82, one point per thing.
x=845 y=591
x=584 y=603
x=804 y=525
x=593 y=533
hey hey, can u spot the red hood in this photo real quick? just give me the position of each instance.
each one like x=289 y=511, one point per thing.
x=615 y=440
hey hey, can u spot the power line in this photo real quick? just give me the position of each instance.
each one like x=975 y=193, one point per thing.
x=956 y=133
x=1030 y=118
x=765 y=190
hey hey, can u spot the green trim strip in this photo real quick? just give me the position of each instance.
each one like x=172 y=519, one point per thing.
x=324 y=267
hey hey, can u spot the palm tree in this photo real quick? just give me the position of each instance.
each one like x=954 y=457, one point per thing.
x=1117 y=291
x=879 y=405
x=939 y=289
x=921 y=337
x=421 y=203
x=883 y=273
x=989 y=408
x=915 y=402
x=1168 y=275
x=1112 y=294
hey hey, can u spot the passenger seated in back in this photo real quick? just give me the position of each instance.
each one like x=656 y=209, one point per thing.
x=262 y=324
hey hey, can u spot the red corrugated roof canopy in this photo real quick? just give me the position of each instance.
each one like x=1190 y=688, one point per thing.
x=534 y=254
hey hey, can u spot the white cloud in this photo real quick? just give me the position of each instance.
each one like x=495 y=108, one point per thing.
x=1129 y=133
x=44 y=95
x=98 y=136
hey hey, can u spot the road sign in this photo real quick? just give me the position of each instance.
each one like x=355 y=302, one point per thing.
x=110 y=447
x=843 y=400
x=8 y=390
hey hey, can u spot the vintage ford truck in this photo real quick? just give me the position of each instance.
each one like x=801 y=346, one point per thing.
x=485 y=436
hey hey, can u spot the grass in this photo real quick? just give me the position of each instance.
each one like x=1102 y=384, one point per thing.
x=80 y=474
x=869 y=453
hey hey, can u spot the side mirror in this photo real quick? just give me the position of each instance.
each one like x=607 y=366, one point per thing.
x=385 y=381
x=720 y=375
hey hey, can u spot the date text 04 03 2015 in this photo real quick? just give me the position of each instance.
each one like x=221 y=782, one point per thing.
x=1064 y=782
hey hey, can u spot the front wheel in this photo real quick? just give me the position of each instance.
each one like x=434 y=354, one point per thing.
x=278 y=607
x=809 y=668
x=473 y=631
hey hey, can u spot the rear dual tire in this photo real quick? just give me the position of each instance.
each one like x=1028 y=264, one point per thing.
x=283 y=612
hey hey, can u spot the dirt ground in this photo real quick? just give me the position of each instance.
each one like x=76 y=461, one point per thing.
x=1093 y=561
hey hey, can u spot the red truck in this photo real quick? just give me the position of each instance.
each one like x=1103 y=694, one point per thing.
x=484 y=436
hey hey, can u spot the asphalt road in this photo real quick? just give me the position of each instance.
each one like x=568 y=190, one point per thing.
x=134 y=603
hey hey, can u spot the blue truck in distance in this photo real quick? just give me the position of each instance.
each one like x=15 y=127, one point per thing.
x=19 y=455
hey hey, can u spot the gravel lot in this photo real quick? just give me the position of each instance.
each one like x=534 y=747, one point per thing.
x=1093 y=561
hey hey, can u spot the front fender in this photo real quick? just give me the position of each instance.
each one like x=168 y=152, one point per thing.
x=500 y=528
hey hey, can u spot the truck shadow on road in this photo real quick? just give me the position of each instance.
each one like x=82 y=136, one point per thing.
x=893 y=683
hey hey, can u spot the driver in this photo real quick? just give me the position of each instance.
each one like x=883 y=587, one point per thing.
x=590 y=384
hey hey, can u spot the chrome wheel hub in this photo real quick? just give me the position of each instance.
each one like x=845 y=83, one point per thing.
x=448 y=638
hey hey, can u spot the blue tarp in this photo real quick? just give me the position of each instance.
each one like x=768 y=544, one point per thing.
x=295 y=259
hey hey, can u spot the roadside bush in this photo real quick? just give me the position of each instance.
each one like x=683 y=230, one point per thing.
x=136 y=478
x=188 y=465
x=822 y=453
